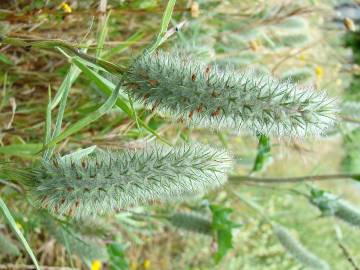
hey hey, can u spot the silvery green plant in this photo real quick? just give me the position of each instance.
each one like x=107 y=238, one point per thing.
x=203 y=95
x=297 y=250
x=331 y=205
x=191 y=222
x=108 y=181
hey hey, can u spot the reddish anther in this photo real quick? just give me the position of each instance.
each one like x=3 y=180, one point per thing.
x=191 y=114
x=217 y=112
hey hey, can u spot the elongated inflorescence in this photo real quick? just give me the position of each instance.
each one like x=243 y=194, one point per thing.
x=191 y=222
x=298 y=251
x=109 y=181
x=203 y=95
x=331 y=205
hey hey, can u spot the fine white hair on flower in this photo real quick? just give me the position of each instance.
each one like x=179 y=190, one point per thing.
x=203 y=95
x=110 y=181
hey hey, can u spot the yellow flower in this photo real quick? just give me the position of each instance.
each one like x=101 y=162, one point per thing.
x=319 y=71
x=147 y=264
x=96 y=265
x=66 y=8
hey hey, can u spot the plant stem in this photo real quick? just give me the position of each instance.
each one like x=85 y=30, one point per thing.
x=348 y=256
x=51 y=44
x=350 y=119
x=268 y=180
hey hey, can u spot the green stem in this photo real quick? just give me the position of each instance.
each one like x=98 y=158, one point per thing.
x=51 y=44
x=269 y=180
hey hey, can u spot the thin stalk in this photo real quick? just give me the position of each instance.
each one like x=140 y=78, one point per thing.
x=51 y=44
x=270 y=180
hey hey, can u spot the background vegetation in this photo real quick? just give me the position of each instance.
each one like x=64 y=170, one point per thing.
x=50 y=50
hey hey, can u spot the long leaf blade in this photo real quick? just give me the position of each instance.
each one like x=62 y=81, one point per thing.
x=6 y=212
x=164 y=26
x=89 y=118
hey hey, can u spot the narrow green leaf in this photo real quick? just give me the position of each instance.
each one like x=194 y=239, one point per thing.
x=134 y=114
x=105 y=86
x=167 y=17
x=5 y=211
x=89 y=118
x=102 y=37
x=164 y=26
x=6 y=60
x=72 y=75
x=47 y=136
x=20 y=149
x=60 y=116
x=124 y=45
x=67 y=246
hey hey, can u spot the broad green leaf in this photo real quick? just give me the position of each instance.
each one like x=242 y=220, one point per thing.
x=222 y=226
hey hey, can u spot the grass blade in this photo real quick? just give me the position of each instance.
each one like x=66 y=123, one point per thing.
x=60 y=115
x=26 y=149
x=89 y=118
x=72 y=76
x=102 y=37
x=124 y=45
x=47 y=136
x=164 y=26
x=5 y=211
